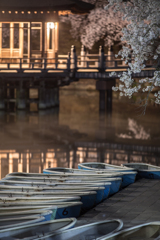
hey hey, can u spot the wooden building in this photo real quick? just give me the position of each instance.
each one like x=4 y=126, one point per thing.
x=29 y=29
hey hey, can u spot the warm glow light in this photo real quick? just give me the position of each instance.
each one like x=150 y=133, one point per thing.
x=16 y=12
x=22 y=12
x=50 y=25
x=41 y=12
x=9 y=12
x=29 y=12
x=3 y=11
x=35 y=12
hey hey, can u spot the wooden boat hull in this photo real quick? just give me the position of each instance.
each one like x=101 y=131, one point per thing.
x=89 y=231
x=64 y=209
x=38 y=229
x=145 y=170
x=144 y=231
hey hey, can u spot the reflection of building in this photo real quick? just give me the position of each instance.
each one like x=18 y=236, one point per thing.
x=36 y=160
x=30 y=28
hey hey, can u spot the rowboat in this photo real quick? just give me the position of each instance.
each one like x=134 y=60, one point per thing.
x=127 y=177
x=72 y=172
x=103 y=166
x=47 y=214
x=144 y=231
x=114 y=187
x=62 y=175
x=64 y=209
x=15 y=222
x=87 y=198
x=9 y=211
x=40 y=199
x=145 y=170
x=100 y=190
x=89 y=231
x=36 y=230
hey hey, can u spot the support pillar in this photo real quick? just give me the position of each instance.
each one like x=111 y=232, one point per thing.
x=21 y=101
x=109 y=101
x=53 y=104
x=2 y=102
x=48 y=98
x=105 y=102
x=12 y=98
x=42 y=97
x=102 y=101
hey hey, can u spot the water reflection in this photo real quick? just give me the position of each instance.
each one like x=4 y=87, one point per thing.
x=76 y=133
x=134 y=131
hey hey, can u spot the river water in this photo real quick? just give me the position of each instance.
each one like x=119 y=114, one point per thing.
x=75 y=133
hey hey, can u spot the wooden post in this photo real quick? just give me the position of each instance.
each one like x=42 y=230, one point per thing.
x=43 y=39
x=0 y=39
x=11 y=39
x=69 y=62
x=102 y=97
x=2 y=95
x=109 y=101
x=21 y=97
x=83 y=56
x=73 y=58
x=21 y=40
x=101 y=59
x=30 y=40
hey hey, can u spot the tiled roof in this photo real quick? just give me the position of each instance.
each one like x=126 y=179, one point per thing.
x=73 y=5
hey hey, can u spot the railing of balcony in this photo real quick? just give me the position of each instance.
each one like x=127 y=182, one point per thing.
x=65 y=63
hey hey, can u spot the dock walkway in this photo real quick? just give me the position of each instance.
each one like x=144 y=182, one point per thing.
x=136 y=204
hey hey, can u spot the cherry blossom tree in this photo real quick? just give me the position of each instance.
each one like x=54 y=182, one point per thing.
x=96 y=25
x=142 y=36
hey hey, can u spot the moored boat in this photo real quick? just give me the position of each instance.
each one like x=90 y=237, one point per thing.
x=129 y=174
x=33 y=231
x=103 y=166
x=46 y=213
x=64 y=209
x=89 y=231
x=144 y=231
x=17 y=222
x=115 y=182
x=145 y=170
x=87 y=198
x=127 y=177
x=72 y=172
x=23 y=186
x=40 y=199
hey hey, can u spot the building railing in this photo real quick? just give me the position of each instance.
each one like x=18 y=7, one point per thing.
x=96 y=62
